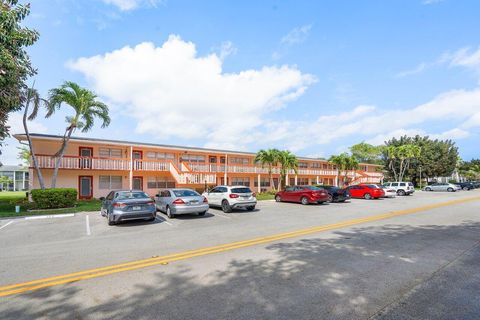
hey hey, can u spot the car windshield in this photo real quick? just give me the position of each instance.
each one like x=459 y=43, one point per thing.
x=314 y=188
x=185 y=193
x=241 y=190
x=132 y=195
x=410 y=184
x=372 y=186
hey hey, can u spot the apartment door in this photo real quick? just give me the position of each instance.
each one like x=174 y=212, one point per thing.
x=137 y=183
x=86 y=154
x=137 y=155
x=85 y=187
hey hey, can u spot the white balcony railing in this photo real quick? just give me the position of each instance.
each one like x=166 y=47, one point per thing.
x=69 y=162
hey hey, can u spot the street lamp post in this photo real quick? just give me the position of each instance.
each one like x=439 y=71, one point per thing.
x=420 y=167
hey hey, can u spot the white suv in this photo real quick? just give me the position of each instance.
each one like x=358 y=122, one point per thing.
x=402 y=188
x=231 y=197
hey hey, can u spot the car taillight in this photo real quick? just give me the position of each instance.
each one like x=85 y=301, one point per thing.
x=205 y=200
x=233 y=195
x=178 y=201
x=119 y=205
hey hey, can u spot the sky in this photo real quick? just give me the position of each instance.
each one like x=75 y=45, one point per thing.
x=313 y=77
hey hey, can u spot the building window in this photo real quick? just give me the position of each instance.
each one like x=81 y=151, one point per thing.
x=160 y=156
x=315 y=165
x=303 y=165
x=302 y=181
x=110 y=152
x=241 y=181
x=192 y=158
x=160 y=182
x=237 y=160
x=264 y=182
x=110 y=182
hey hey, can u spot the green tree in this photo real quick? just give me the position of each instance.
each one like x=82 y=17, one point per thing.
x=15 y=66
x=24 y=155
x=367 y=153
x=437 y=158
x=268 y=158
x=288 y=161
x=86 y=106
x=5 y=182
x=345 y=164
x=470 y=169
x=33 y=99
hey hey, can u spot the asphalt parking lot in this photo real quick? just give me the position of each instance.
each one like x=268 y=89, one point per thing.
x=375 y=258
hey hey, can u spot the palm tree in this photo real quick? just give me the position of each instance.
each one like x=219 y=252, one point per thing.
x=37 y=102
x=270 y=159
x=288 y=161
x=344 y=163
x=86 y=106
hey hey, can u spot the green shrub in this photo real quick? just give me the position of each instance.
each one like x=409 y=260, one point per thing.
x=54 y=198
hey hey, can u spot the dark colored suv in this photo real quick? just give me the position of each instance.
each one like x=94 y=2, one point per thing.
x=337 y=194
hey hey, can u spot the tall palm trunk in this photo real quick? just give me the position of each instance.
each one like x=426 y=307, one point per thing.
x=59 y=155
x=32 y=151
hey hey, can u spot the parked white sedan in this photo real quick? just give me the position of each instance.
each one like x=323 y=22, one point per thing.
x=389 y=192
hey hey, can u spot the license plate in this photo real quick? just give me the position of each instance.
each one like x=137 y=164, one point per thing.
x=246 y=197
x=193 y=202
x=137 y=208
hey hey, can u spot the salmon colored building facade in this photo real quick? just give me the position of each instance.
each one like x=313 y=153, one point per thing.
x=95 y=166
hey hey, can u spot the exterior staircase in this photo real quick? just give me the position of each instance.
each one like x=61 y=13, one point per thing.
x=185 y=176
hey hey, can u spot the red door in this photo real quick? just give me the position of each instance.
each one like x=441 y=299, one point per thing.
x=85 y=187
x=137 y=183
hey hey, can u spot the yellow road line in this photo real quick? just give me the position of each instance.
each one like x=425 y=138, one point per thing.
x=103 y=271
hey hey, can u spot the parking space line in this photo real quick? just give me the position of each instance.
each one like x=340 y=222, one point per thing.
x=6 y=224
x=134 y=265
x=87 y=222
x=51 y=216
x=163 y=220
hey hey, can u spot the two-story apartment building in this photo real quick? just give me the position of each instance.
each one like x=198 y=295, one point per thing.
x=95 y=166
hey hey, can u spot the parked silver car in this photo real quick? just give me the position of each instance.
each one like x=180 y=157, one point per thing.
x=231 y=197
x=450 y=187
x=122 y=205
x=181 y=201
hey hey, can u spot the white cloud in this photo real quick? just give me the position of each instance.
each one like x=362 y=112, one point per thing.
x=127 y=5
x=173 y=92
x=296 y=35
x=418 y=69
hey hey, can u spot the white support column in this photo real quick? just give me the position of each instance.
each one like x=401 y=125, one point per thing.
x=258 y=184
x=14 y=180
x=287 y=180
x=225 y=176
x=318 y=180
x=130 y=175
x=296 y=179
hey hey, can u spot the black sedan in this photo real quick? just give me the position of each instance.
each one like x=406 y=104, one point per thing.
x=466 y=185
x=337 y=194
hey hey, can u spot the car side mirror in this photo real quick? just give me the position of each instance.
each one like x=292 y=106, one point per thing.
x=101 y=198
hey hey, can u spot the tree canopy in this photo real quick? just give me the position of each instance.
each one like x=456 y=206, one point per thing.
x=367 y=153
x=15 y=65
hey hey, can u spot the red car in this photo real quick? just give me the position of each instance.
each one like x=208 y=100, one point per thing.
x=303 y=194
x=366 y=191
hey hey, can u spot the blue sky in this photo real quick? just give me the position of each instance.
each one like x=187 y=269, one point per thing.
x=314 y=77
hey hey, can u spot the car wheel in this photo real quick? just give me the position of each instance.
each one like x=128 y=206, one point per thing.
x=251 y=208
x=401 y=192
x=151 y=219
x=466 y=188
x=304 y=200
x=111 y=222
x=278 y=198
x=201 y=214
x=330 y=198
x=367 y=196
x=320 y=202
x=226 y=206
x=341 y=200
x=169 y=213
x=450 y=190
x=428 y=189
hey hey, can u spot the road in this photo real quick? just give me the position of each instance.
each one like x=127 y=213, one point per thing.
x=410 y=257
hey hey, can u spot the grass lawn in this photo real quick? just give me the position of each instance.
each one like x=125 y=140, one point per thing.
x=265 y=196
x=7 y=206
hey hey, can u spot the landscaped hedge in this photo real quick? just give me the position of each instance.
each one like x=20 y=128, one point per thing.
x=54 y=198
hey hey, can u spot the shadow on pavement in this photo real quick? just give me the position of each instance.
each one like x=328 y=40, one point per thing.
x=349 y=275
